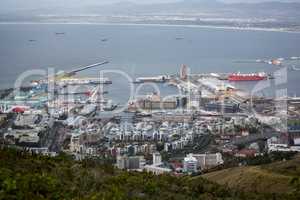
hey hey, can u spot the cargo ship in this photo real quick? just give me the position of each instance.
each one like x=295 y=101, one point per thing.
x=247 y=77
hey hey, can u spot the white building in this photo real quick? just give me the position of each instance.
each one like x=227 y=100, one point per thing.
x=167 y=147
x=156 y=158
x=157 y=170
x=190 y=164
x=208 y=160
x=275 y=145
x=75 y=143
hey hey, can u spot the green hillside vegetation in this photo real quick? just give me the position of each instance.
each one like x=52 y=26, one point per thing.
x=24 y=176
x=278 y=177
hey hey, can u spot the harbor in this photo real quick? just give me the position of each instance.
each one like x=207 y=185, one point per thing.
x=208 y=116
x=164 y=99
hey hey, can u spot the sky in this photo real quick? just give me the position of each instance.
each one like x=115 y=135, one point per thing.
x=39 y=2
x=35 y=4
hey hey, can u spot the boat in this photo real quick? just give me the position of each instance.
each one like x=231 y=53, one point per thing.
x=88 y=109
x=247 y=77
x=110 y=107
x=143 y=114
x=295 y=58
x=155 y=79
x=83 y=81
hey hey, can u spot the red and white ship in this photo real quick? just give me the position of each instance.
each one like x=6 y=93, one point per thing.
x=247 y=77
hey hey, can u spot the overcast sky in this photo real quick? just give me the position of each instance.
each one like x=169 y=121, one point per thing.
x=34 y=4
x=39 y=2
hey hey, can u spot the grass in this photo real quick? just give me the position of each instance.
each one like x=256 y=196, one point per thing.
x=271 y=178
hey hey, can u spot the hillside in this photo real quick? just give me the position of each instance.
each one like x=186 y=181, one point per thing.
x=277 y=15
x=278 y=177
x=24 y=176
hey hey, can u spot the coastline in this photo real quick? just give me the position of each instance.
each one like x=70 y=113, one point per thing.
x=279 y=30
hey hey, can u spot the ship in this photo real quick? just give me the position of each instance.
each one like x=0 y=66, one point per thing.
x=155 y=79
x=247 y=77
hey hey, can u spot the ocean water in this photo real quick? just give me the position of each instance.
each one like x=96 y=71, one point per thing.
x=141 y=51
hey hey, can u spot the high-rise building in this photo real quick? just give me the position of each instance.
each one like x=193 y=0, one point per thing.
x=167 y=147
x=157 y=167
x=134 y=162
x=156 y=158
x=122 y=162
x=195 y=98
x=190 y=164
x=184 y=70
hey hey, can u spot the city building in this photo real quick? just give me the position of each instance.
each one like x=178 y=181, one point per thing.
x=157 y=170
x=184 y=71
x=219 y=107
x=156 y=158
x=134 y=162
x=275 y=144
x=195 y=99
x=190 y=164
x=147 y=104
x=130 y=163
x=244 y=153
x=3 y=117
x=205 y=161
x=23 y=137
x=167 y=147
x=294 y=131
x=42 y=151
x=122 y=162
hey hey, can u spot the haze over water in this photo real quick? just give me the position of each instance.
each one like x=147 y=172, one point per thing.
x=140 y=50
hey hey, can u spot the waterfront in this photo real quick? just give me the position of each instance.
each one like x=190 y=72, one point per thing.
x=207 y=75
x=140 y=51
